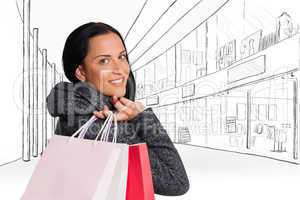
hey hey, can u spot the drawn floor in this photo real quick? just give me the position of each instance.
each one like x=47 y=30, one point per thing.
x=213 y=175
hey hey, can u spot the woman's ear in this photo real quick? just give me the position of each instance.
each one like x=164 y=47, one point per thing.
x=79 y=73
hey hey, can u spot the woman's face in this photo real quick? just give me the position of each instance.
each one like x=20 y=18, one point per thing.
x=105 y=65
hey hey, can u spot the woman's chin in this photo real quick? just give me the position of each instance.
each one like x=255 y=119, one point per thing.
x=120 y=94
x=117 y=93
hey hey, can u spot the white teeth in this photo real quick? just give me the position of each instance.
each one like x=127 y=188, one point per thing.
x=117 y=81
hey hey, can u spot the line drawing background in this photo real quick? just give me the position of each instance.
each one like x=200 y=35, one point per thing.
x=221 y=75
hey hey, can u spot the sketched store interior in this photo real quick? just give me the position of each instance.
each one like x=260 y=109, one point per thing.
x=253 y=119
x=231 y=83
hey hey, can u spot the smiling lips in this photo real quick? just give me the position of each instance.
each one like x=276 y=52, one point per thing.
x=117 y=82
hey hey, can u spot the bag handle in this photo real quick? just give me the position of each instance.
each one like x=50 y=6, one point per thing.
x=83 y=129
x=106 y=131
x=84 y=126
x=105 y=128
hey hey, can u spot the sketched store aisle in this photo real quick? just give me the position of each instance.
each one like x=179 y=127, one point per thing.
x=222 y=76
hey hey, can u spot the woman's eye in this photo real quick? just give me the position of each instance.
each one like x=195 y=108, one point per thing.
x=123 y=57
x=104 y=61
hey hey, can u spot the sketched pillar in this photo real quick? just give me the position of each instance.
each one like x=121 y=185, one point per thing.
x=44 y=95
x=295 y=118
x=25 y=82
x=248 y=144
x=35 y=113
x=31 y=100
x=205 y=122
x=53 y=119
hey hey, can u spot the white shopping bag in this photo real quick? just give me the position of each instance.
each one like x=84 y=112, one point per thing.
x=81 y=169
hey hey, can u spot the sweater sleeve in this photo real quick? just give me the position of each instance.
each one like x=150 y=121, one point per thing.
x=71 y=99
x=168 y=172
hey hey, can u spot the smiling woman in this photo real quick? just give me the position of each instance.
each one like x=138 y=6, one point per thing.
x=95 y=61
x=105 y=65
x=95 y=53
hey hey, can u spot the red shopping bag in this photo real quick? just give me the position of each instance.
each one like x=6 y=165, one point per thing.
x=139 y=179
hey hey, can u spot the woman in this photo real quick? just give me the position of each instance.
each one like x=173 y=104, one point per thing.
x=95 y=61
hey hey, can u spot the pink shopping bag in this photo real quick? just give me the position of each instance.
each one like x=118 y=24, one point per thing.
x=80 y=169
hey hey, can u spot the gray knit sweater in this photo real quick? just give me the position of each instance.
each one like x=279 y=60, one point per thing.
x=74 y=105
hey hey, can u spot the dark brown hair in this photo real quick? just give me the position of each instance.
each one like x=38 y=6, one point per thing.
x=76 y=49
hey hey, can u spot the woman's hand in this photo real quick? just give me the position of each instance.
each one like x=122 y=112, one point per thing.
x=127 y=109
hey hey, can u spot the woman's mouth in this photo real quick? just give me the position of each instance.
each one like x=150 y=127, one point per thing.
x=117 y=82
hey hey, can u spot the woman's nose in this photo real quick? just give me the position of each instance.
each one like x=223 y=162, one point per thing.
x=117 y=72
x=116 y=67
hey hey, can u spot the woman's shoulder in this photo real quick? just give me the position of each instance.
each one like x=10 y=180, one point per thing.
x=67 y=98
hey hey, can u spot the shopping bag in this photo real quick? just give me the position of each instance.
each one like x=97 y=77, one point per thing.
x=81 y=169
x=139 y=179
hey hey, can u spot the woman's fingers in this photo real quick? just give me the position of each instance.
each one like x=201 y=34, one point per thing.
x=127 y=109
x=114 y=99
x=103 y=113
x=121 y=107
x=99 y=114
x=121 y=116
x=127 y=102
x=106 y=110
x=139 y=106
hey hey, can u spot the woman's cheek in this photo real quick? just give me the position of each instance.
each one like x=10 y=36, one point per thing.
x=102 y=74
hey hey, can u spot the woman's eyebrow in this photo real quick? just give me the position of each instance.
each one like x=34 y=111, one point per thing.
x=105 y=55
